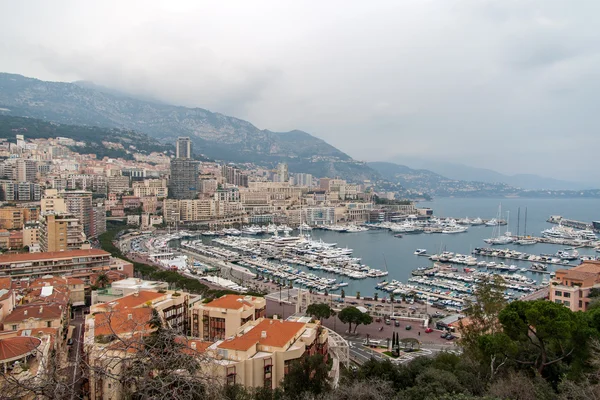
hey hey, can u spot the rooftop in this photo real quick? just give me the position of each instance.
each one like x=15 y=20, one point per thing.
x=37 y=311
x=134 y=300
x=53 y=255
x=231 y=302
x=17 y=347
x=123 y=321
x=277 y=334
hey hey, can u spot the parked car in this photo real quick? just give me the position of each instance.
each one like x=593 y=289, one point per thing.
x=450 y=336
x=378 y=319
x=397 y=323
x=444 y=335
x=388 y=322
x=408 y=327
x=428 y=330
x=383 y=301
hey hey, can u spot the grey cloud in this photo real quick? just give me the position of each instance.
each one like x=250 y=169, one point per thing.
x=507 y=85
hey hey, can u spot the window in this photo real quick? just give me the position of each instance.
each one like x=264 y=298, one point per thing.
x=14 y=327
x=558 y=301
x=567 y=303
x=231 y=375
x=558 y=293
x=567 y=295
x=580 y=303
x=49 y=324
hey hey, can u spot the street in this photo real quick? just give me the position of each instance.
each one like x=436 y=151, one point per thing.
x=76 y=353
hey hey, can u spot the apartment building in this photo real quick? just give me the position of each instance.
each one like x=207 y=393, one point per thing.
x=52 y=202
x=223 y=317
x=571 y=287
x=60 y=232
x=79 y=203
x=184 y=182
x=71 y=263
x=15 y=217
x=261 y=352
x=37 y=316
x=151 y=188
x=118 y=184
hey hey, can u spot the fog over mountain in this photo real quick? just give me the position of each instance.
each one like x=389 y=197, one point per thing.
x=507 y=86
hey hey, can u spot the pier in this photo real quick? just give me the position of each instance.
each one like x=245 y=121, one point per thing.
x=571 y=223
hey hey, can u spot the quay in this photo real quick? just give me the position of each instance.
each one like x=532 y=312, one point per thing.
x=571 y=223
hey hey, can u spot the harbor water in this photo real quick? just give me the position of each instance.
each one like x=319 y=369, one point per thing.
x=380 y=249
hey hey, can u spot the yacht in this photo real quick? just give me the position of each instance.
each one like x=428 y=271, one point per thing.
x=477 y=221
x=526 y=242
x=420 y=251
x=454 y=229
x=305 y=227
x=492 y=222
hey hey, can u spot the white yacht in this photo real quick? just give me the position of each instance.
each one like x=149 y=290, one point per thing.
x=420 y=251
x=454 y=229
x=492 y=222
x=526 y=242
x=477 y=221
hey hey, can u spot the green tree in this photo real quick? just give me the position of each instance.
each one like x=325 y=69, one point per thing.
x=102 y=280
x=320 y=311
x=309 y=374
x=483 y=312
x=363 y=319
x=350 y=315
x=541 y=333
x=357 y=295
x=343 y=294
x=376 y=296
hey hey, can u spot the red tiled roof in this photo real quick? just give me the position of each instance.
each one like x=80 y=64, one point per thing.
x=123 y=321
x=42 y=311
x=25 y=257
x=5 y=283
x=278 y=333
x=228 y=301
x=133 y=300
x=17 y=347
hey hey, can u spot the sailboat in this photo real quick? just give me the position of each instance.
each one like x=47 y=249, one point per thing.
x=526 y=240
x=497 y=238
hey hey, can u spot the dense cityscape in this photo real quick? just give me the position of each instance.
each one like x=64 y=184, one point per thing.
x=341 y=200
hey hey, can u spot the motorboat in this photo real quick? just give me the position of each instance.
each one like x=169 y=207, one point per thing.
x=525 y=242
x=454 y=229
x=420 y=251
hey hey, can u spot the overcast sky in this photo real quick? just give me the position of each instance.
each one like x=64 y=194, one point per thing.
x=508 y=85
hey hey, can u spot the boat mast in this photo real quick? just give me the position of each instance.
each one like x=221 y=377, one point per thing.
x=525 y=233
x=507 y=221
x=518 y=221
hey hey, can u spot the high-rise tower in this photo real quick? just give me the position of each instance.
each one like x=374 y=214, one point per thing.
x=183 y=148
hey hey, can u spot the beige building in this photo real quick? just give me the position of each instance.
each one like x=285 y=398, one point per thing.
x=151 y=188
x=125 y=287
x=110 y=324
x=31 y=235
x=223 y=317
x=261 y=352
x=60 y=232
x=52 y=203
x=36 y=316
x=571 y=287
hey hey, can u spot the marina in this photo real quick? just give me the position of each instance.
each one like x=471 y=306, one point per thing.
x=331 y=260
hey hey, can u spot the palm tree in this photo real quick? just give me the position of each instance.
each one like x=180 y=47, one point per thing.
x=102 y=280
x=392 y=302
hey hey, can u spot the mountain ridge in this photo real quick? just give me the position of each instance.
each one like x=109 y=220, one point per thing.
x=216 y=135
x=469 y=173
